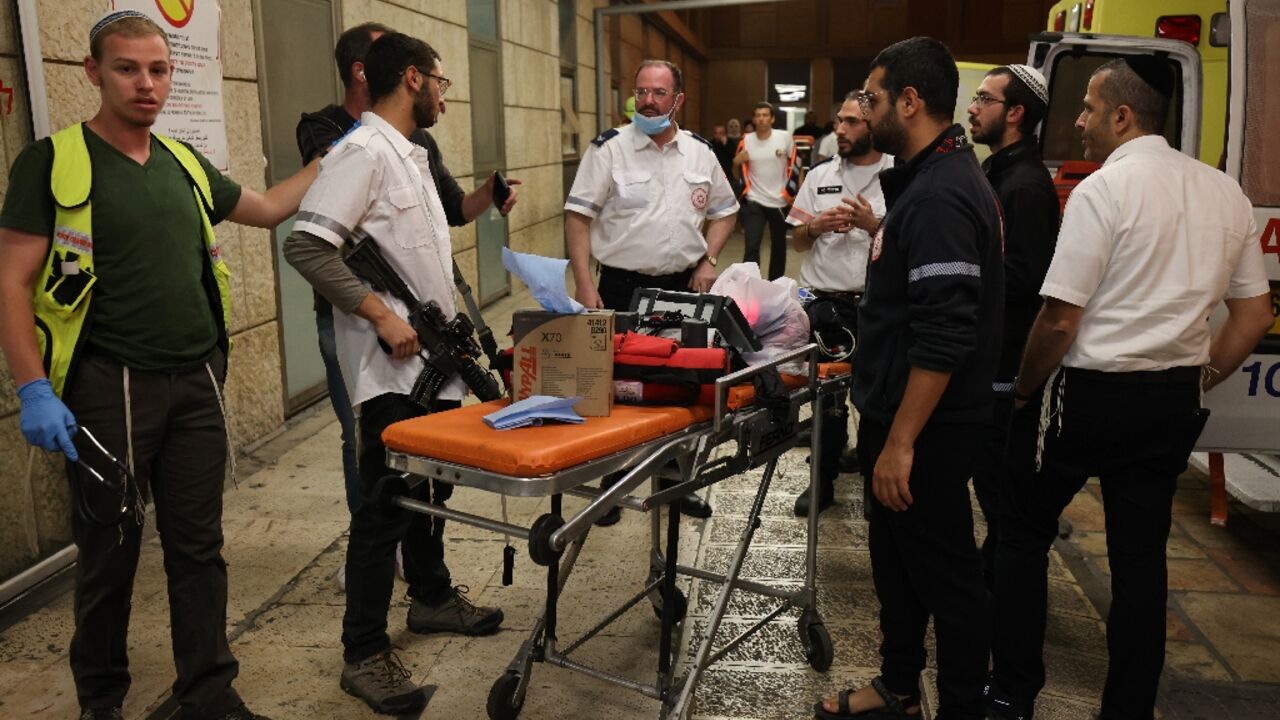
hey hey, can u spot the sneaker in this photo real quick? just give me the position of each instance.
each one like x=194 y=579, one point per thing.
x=383 y=683
x=456 y=615
x=1000 y=706
x=111 y=713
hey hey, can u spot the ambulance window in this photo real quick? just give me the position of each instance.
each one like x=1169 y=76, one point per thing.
x=1068 y=80
x=1261 y=154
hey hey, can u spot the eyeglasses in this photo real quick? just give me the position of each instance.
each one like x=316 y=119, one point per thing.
x=866 y=100
x=444 y=82
x=658 y=94
x=984 y=100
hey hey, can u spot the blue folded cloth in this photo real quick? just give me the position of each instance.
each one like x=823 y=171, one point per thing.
x=534 y=410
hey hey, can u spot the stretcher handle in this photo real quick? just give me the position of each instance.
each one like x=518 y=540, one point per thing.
x=723 y=384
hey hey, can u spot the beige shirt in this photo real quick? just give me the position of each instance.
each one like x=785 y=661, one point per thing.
x=649 y=204
x=1150 y=244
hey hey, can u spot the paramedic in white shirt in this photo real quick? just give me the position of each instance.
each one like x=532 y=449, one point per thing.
x=838 y=207
x=1112 y=376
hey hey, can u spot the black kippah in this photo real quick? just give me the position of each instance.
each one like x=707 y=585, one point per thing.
x=1154 y=71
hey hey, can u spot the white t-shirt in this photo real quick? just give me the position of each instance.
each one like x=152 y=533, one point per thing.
x=766 y=173
x=837 y=262
x=649 y=204
x=377 y=183
x=1150 y=244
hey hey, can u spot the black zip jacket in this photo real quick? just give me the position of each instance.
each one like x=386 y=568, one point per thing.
x=318 y=131
x=935 y=286
x=1030 y=203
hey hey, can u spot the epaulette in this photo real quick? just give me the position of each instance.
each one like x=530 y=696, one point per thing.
x=824 y=162
x=701 y=139
x=605 y=137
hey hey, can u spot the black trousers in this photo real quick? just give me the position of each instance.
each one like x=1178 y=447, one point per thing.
x=617 y=285
x=925 y=563
x=179 y=455
x=831 y=315
x=1134 y=432
x=988 y=478
x=754 y=218
x=376 y=530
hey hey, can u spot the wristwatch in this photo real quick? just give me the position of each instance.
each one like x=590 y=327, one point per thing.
x=711 y=259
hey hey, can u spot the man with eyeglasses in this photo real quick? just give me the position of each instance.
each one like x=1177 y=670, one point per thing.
x=317 y=133
x=638 y=205
x=838 y=207
x=378 y=184
x=1004 y=113
x=928 y=344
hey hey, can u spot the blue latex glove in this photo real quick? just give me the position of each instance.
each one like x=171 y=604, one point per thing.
x=46 y=422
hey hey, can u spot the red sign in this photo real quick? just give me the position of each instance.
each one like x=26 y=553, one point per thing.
x=1271 y=237
x=177 y=12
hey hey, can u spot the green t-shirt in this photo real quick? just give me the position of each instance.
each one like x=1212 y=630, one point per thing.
x=150 y=309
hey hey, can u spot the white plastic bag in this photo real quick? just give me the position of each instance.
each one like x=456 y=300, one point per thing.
x=771 y=308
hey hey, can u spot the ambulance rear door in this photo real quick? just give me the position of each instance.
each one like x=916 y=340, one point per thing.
x=1245 y=408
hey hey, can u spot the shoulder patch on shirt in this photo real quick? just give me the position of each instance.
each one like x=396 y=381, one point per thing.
x=700 y=139
x=830 y=189
x=605 y=137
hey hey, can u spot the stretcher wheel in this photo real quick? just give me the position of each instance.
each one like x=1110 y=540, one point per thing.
x=540 y=539
x=818 y=649
x=679 y=606
x=502 y=703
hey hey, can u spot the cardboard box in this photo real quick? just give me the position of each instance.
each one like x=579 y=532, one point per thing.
x=565 y=355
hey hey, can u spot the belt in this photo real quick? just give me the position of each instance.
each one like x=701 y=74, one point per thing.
x=838 y=294
x=639 y=276
x=1171 y=376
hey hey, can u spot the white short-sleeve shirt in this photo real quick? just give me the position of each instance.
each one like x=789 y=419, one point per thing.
x=837 y=262
x=377 y=183
x=766 y=168
x=649 y=204
x=1150 y=244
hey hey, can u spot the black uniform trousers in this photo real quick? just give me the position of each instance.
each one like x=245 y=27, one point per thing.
x=617 y=286
x=1134 y=432
x=376 y=530
x=925 y=562
x=754 y=219
x=843 y=307
x=988 y=479
x=179 y=444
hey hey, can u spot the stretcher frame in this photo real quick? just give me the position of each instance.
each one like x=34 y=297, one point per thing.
x=761 y=436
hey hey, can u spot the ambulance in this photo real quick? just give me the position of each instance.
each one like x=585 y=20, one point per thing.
x=1226 y=112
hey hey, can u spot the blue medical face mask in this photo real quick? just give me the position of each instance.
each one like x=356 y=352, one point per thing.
x=653 y=125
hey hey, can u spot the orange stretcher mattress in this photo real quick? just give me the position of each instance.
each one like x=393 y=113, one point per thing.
x=461 y=437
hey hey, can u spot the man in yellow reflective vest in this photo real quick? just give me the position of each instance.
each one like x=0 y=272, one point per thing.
x=114 y=309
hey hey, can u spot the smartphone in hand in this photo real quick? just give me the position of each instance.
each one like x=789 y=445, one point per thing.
x=501 y=190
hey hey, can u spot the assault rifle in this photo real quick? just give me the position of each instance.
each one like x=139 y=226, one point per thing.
x=450 y=344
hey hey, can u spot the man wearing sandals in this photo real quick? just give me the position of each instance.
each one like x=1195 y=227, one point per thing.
x=114 y=300
x=928 y=344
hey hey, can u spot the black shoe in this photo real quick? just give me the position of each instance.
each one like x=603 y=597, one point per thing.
x=826 y=498
x=610 y=518
x=1000 y=706
x=694 y=506
x=111 y=713
x=849 y=461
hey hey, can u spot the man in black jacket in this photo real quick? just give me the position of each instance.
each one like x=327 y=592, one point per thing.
x=1003 y=115
x=928 y=343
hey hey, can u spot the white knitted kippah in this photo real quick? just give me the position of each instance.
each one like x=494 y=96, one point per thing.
x=1033 y=79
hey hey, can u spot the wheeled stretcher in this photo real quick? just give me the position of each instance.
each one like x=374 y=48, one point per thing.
x=553 y=460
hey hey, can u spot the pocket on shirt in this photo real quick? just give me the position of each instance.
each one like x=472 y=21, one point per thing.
x=699 y=187
x=633 y=188
x=409 y=224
